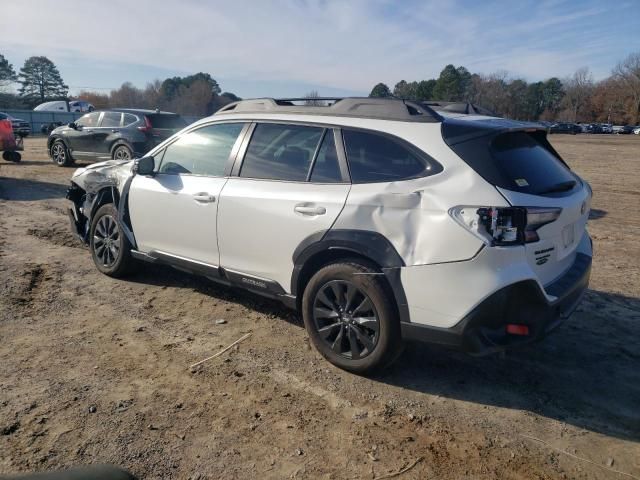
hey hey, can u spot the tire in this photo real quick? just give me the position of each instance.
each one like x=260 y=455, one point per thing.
x=110 y=247
x=360 y=334
x=121 y=152
x=60 y=154
x=11 y=156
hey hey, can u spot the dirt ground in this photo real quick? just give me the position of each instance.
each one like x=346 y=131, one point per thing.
x=95 y=370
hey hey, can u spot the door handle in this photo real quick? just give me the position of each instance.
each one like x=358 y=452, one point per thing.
x=310 y=210
x=114 y=130
x=204 y=197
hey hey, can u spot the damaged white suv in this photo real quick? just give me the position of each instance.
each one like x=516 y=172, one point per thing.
x=379 y=220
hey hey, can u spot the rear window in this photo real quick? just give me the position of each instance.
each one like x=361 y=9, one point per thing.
x=160 y=120
x=528 y=166
x=519 y=161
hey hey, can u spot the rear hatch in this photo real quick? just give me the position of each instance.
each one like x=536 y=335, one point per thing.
x=162 y=125
x=518 y=160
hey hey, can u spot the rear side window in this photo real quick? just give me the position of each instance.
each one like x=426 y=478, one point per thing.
x=281 y=152
x=204 y=151
x=378 y=158
x=164 y=120
x=111 y=119
x=527 y=165
x=128 y=119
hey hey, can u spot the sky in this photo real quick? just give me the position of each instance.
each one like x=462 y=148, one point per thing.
x=288 y=48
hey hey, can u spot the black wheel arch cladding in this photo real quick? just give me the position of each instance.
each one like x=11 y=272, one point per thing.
x=362 y=243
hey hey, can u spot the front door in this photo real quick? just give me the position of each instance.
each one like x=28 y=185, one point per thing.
x=174 y=212
x=290 y=186
x=81 y=139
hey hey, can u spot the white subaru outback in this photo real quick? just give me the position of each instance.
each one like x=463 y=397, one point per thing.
x=379 y=220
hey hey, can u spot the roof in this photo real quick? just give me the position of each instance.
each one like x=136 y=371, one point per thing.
x=360 y=107
x=458 y=107
x=142 y=111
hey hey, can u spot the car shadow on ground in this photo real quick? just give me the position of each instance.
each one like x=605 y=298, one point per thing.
x=162 y=275
x=25 y=190
x=596 y=214
x=586 y=373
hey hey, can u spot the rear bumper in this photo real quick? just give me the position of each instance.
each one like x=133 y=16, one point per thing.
x=483 y=329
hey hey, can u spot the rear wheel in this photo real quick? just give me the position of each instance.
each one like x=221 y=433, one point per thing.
x=11 y=156
x=122 y=152
x=110 y=247
x=60 y=155
x=350 y=317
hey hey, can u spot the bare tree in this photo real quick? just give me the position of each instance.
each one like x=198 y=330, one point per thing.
x=578 y=89
x=127 y=96
x=98 y=100
x=628 y=73
x=311 y=98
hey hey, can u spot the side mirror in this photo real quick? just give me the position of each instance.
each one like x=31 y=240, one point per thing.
x=73 y=125
x=144 y=166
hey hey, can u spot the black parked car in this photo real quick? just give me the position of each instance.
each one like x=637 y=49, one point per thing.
x=594 y=128
x=119 y=133
x=562 y=127
x=626 y=130
x=20 y=127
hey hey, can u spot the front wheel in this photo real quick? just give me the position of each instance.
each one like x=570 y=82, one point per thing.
x=350 y=317
x=110 y=247
x=60 y=154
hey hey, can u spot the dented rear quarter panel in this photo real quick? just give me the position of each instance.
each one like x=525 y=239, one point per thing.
x=413 y=214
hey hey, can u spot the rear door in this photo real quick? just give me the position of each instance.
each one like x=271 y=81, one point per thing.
x=174 y=212
x=290 y=184
x=109 y=128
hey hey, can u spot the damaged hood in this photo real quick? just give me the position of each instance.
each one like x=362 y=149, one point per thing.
x=111 y=173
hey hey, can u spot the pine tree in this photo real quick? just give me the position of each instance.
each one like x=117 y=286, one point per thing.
x=41 y=80
x=7 y=74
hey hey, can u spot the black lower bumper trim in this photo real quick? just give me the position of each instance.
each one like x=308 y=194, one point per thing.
x=483 y=330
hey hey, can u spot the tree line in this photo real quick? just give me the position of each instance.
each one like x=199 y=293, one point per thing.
x=577 y=98
x=40 y=81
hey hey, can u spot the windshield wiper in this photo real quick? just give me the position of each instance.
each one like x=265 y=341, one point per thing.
x=559 y=187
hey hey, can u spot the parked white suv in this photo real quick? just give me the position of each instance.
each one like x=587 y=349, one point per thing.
x=379 y=220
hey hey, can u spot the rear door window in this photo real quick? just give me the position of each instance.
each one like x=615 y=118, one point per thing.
x=281 y=152
x=378 y=158
x=526 y=165
x=204 y=151
x=326 y=168
x=111 y=119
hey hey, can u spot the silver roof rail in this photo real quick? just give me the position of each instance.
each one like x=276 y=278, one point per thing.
x=360 y=107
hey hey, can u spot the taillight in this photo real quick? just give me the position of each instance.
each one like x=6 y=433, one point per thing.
x=147 y=126
x=504 y=226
